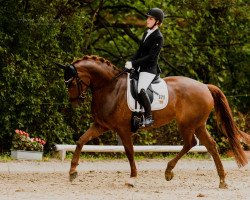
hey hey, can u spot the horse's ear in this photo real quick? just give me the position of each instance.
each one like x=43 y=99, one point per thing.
x=60 y=65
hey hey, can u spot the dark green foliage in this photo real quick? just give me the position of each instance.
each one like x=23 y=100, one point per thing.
x=206 y=40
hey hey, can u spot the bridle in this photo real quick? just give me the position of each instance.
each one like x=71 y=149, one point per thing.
x=79 y=83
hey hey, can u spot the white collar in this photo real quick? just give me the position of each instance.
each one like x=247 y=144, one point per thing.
x=152 y=30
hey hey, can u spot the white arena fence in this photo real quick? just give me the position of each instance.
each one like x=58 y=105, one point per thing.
x=63 y=148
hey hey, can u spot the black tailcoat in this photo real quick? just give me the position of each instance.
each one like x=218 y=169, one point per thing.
x=147 y=55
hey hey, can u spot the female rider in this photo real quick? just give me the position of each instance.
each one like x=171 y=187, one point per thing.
x=145 y=61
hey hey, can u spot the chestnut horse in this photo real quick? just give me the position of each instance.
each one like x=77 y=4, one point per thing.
x=190 y=103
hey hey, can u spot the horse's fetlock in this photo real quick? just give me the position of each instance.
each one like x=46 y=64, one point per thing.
x=170 y=166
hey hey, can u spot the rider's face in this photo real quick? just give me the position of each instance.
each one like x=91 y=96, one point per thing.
x=150 y=21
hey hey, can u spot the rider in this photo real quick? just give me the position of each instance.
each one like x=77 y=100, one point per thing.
x=145 y=61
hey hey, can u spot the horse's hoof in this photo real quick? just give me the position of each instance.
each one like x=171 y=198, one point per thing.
x=131 y=182
x=223 y=185
x=72 y=176
x=169 y=175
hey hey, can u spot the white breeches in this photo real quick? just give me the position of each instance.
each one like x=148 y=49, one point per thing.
x=145 y=79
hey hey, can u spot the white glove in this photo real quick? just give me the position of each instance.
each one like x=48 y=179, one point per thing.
x=128 y=65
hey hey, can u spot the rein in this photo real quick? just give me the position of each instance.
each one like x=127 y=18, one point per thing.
x=121 y=73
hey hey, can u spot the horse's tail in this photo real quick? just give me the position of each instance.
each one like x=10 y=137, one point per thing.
x=224 y=115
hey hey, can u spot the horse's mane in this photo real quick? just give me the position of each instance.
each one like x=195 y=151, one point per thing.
x=96 y=58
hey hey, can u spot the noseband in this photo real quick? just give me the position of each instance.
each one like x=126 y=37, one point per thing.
x=74 y=75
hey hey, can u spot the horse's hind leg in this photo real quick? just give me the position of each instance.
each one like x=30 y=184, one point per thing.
x=189 y=142
x=91 y=133
x=129 y=150
x=210 y=144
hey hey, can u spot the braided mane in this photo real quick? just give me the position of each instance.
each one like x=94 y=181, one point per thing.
x=96 y=59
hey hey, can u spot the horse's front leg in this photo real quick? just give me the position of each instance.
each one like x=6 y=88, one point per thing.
x=91 y=133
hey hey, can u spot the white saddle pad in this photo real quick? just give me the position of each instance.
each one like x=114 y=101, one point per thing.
x=160 y=96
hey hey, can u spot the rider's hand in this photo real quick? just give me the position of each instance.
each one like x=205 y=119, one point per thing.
x=128 y=65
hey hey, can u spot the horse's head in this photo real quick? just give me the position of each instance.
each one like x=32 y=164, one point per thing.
x=89 y=71
x=77 y=86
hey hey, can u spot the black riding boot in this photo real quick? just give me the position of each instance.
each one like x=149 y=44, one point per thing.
x=145 y=102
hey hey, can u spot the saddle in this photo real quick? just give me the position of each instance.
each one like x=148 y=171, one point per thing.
x=158 y=95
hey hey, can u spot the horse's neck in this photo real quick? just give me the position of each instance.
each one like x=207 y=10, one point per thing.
x=106 y=99
x=100 y=76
